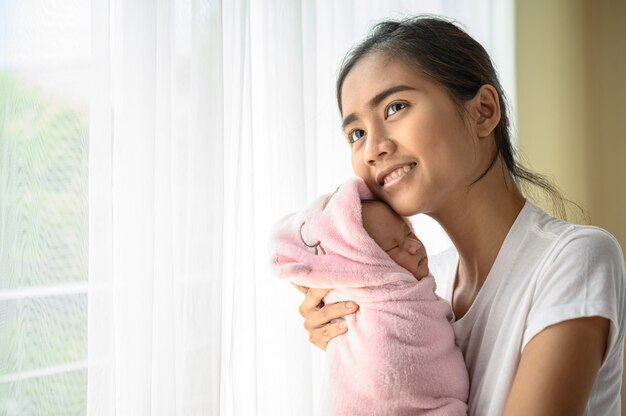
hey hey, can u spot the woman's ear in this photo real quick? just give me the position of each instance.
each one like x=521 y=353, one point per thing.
x=485 y=110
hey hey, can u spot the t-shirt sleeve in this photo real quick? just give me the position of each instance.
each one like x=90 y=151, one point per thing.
x=584 y=277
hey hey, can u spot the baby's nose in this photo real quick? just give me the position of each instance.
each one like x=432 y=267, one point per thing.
x=412 y=246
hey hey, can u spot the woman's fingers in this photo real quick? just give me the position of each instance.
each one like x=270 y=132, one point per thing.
x=327 y=323
x=302 y=289
x=327 y=313
x=321 y=336
x=323 y=322
x=312 y=301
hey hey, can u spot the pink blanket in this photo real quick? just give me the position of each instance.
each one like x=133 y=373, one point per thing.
x=399 y=355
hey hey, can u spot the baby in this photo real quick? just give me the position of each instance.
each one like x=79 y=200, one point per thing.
x=394 y=235
x=398 y=356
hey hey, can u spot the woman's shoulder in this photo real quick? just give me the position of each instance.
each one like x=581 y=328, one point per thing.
x=572 y=240
x=577 y=271
x=587 y=240
x=572 y=264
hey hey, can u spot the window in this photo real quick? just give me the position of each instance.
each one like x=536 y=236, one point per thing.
x=44 y=87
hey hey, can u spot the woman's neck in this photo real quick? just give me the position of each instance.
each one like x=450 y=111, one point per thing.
x=479 y=223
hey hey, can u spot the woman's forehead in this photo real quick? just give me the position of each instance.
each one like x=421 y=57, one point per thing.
x=372 y=75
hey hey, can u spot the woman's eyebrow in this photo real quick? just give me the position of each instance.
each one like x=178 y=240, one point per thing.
x=377 y=99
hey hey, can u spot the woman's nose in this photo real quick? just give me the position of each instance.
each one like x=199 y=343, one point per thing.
x=377 y=145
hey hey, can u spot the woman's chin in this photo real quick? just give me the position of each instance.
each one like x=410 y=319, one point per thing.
x=405 y=204
x=406 y=208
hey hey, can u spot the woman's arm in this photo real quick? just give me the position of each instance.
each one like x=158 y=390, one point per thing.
x=558 y=368
x=317 y=316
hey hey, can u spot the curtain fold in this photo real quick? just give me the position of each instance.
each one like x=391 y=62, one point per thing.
x=210 y=120
x=156 y=174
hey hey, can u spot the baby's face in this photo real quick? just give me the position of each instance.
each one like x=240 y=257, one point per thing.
x=395 y=237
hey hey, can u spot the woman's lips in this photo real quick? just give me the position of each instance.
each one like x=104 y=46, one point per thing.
x=397 y=175
x=393 y=172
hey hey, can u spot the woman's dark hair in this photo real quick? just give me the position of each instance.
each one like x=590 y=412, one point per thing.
x=450 y=56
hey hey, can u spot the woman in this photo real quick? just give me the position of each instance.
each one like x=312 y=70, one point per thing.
x=538 y=303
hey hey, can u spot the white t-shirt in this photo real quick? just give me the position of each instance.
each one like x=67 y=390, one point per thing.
x=547 y=271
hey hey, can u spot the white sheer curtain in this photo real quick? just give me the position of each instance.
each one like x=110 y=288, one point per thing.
x=210 y=120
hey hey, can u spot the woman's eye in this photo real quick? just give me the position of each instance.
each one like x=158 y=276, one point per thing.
x=356 y=135
x=394 y=108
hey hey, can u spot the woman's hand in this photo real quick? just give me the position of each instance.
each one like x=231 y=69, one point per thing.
x=317 y=316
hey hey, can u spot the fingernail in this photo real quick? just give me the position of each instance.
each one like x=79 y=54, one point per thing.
x=349 y=305
x=343 y=324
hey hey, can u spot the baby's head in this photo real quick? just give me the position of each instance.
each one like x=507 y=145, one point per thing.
x=395 y=237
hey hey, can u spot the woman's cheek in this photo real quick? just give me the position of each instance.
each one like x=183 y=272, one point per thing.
x=362 y=171
x=358 y=166
x=403 y=206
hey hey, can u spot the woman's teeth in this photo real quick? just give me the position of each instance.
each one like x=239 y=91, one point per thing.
x=398 y=172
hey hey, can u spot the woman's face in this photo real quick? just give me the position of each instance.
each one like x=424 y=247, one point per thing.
x=409 y=141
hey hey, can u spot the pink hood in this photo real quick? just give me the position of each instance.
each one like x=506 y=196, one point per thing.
x=325 y=245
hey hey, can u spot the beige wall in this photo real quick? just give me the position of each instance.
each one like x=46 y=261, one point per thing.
x=606 y=121
x=551 y=98
x=571 y=67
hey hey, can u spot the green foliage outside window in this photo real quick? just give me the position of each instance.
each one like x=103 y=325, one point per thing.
x=43 y=242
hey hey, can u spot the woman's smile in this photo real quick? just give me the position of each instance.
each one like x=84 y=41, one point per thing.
x=390 y=180
x=391 y=176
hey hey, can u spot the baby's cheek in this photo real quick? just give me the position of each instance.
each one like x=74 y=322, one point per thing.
x=407 y=261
